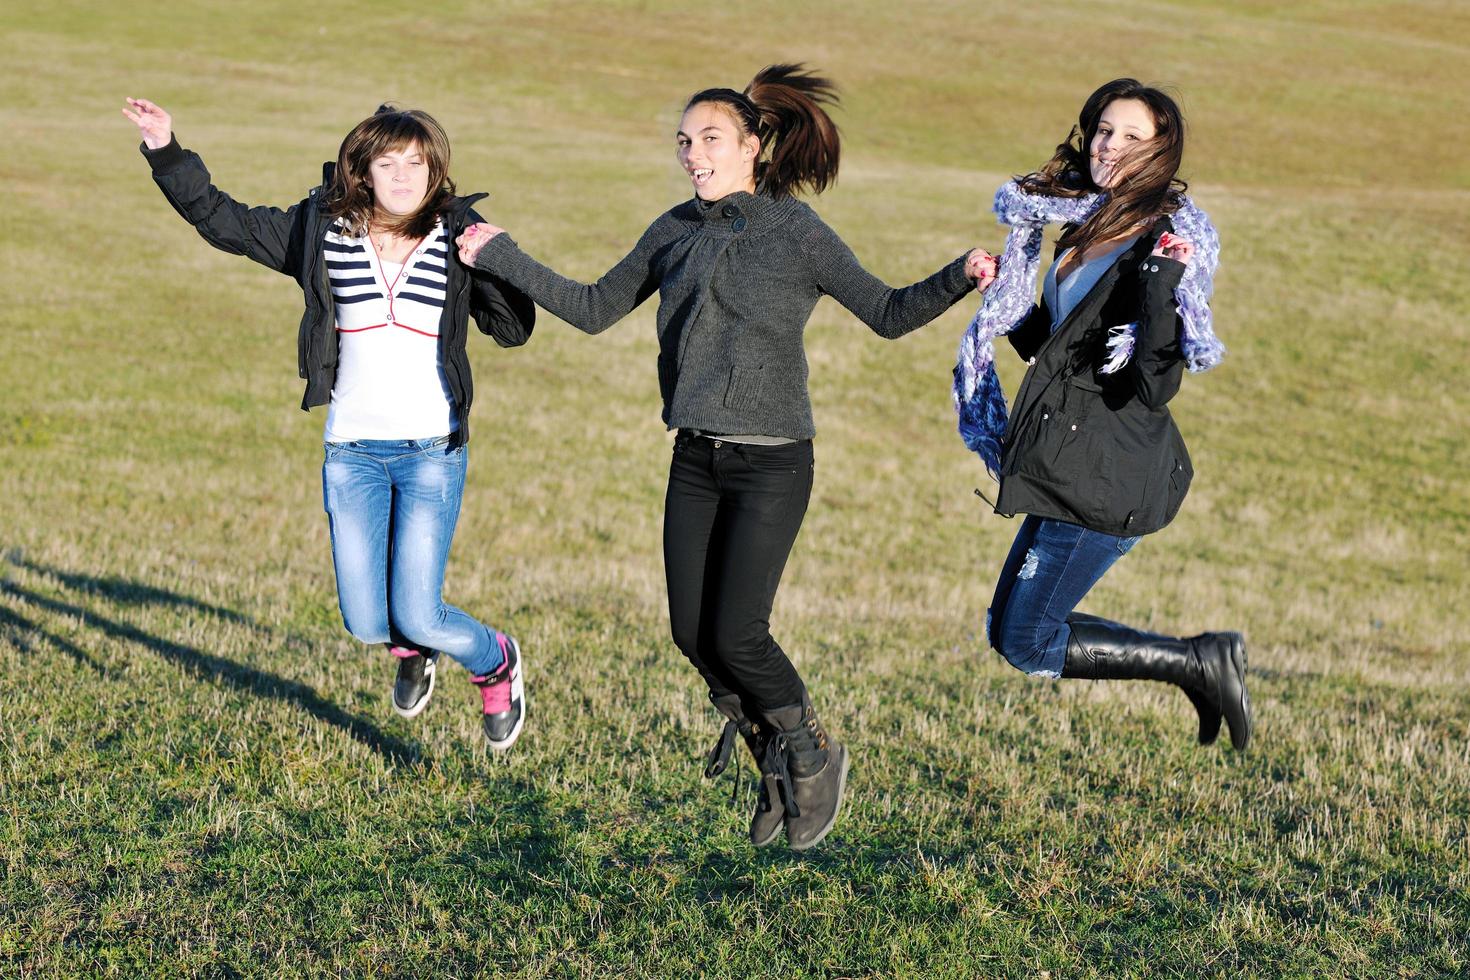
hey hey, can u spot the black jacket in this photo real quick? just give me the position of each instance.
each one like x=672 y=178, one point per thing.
x=290 y=242
x=1101 y=450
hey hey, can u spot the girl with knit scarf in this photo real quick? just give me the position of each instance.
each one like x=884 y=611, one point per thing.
x=738 y=269
x=1089 y=451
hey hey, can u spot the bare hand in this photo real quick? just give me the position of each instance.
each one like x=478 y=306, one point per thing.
x=473 y=238
x=156 y=125
x=982 y=267
x=1174 y=247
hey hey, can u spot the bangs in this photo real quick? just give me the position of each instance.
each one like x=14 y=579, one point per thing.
x=396 y=132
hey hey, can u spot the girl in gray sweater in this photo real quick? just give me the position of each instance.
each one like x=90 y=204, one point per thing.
x=738 y=269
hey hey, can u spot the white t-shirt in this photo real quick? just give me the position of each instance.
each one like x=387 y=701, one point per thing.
x=390 y=381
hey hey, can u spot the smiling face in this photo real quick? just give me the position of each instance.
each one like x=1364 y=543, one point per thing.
x=1125 y=126
x=718 y=157
x=400 y=180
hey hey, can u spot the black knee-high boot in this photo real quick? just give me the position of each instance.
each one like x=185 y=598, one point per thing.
x=1209 y=714
x=766 y=822
x=1210 y=668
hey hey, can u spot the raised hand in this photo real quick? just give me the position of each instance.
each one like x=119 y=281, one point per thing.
x=982 y=267
x=156 y=125
x=1174 y=247
x=473 y=238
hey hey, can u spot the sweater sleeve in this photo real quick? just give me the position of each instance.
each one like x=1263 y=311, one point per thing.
x=264 y=234
x=1157 y=364
x=889 y=312
x=591 y=308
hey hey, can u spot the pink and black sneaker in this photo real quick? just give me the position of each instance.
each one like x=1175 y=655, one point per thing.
x=415 y=681
x=504 y=697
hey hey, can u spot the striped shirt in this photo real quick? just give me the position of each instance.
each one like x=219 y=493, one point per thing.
x=390 y=383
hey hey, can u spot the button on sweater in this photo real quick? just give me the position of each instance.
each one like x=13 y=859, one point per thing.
x=737 y=280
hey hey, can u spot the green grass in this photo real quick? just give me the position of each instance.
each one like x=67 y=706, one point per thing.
x=199 y=773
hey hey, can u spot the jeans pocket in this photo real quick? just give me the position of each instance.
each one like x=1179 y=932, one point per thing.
x=444 y=454
x=788 y=457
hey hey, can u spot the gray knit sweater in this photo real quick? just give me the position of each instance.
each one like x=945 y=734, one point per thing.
x=737 y=280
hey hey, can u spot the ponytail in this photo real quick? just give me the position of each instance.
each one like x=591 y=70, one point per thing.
x=783 y=106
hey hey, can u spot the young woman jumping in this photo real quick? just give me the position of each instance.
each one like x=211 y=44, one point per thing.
x=738 y=270
x=382 y=342
x=1090 y=453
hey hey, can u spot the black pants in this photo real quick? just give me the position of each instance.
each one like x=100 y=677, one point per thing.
x=730 y=518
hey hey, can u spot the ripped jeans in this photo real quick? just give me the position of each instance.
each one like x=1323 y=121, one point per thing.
x=1052 y=565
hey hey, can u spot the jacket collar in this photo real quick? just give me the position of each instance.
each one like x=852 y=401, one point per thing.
x=740 y=213
x=1090 y=305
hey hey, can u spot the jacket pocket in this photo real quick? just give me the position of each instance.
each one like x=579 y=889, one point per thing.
x=1067 y=452
x=744 y=388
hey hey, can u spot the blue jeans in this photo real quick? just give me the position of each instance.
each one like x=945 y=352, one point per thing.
x=393 y=505
x=1052 y=565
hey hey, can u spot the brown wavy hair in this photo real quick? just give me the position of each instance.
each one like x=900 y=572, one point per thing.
x=389 y=130
x=1148 y=187
x=784 y=107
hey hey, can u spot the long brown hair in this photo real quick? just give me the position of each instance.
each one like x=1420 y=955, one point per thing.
x=1149 y=187
x=389 y=130
x=783 y=106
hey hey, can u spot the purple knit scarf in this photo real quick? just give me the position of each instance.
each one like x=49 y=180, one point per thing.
x=978 y=397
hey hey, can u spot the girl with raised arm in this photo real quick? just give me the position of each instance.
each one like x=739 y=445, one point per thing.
x=1090 y=452
x=738 y=269
x=382 y=343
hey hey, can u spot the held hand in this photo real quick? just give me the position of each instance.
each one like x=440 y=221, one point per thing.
x=1174 y=247
x=473 y=238
x=982 y=267
x=156 y=125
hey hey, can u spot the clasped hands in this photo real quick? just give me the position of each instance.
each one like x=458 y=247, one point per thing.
x=473 y=238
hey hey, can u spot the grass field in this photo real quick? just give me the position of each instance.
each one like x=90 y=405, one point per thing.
x=199 y=770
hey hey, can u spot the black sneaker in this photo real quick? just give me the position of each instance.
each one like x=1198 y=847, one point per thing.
x=504 y=698
x=415 y=681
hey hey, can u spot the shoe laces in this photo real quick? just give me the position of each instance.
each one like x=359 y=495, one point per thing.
x=719 y=756
x=495 y=690
x=774 y=764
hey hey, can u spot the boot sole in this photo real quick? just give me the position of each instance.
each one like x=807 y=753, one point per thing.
x=1240 y=735
x=841 y=792
x=417 y=709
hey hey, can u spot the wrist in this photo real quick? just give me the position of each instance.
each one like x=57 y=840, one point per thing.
x=163 y=158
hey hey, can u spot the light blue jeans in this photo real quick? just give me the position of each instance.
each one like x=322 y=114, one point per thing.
x=393 y=505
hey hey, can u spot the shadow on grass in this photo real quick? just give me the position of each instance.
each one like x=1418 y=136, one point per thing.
x=201 y=664
x=22 y=631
